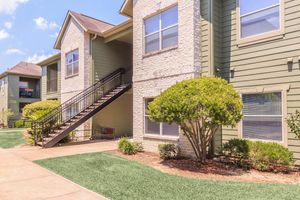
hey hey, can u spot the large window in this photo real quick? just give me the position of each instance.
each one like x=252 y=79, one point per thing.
x=161 y=31
x=259 y=17
x=263 y=116
x=162 y=129
x=72 y=63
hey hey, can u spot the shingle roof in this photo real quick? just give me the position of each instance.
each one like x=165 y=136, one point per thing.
x=91 y=24
x=24 y=68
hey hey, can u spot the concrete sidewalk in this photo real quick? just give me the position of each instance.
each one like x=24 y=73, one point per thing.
x=38 y=153
x=21 y=179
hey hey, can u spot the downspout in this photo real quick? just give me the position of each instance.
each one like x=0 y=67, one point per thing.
x=211 y=61
x=91 y=59
x=92 y=79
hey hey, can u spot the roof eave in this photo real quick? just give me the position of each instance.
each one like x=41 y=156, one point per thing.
x=126 y=8
x=49 y=60
x=57 y=44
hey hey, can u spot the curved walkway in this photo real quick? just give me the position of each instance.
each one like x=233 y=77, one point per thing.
x=22 y=179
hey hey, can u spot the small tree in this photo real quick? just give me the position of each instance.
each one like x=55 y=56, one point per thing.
x=294 y=123
x=5 y=116
x=199 y=106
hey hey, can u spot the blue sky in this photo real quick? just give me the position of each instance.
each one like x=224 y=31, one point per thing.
x=28 y=28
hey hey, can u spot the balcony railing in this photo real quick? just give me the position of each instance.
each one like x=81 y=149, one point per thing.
x=29 y=93
x=52 y=86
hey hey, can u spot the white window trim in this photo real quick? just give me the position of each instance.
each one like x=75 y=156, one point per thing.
x=160 y=135
x=160 y=31
x=260 y=90
x=272 y=35
x=74 y=62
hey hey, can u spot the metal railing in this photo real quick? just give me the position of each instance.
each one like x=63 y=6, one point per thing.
x=67 y=111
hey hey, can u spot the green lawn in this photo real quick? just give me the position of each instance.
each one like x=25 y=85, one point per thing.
x=10 y=138
x=118 y=178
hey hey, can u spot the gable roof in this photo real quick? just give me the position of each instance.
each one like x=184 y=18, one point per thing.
x=24 y=68
x=88 y=24
x=50 y=60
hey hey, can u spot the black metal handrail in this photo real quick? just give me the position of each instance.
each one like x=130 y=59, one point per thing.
x=77 y=104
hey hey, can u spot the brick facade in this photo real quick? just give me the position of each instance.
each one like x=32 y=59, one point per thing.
x=153 y=74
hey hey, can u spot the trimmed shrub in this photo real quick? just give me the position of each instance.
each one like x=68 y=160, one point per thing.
x=168 y=151
x=237 y=148
x=268 y=156
x=138 y=146
x=22 y=124
x=122 y=143
x=38 y=109
x=129 y=148
x=262 y=156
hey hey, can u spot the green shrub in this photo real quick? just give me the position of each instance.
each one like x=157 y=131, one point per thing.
x=19 y=124
x=122 y=143
x=267 y=156
x=294 y=123
x=129 y=148
x=38 y=109
x=22 y=124
x=263 y=156
x=168 y=151
x=138 y=146
x=237 y=148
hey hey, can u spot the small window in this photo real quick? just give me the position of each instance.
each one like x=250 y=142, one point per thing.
x=259 y=17
x=161 y=31
x=72 y=63
x=155 y=128
x=263 y=117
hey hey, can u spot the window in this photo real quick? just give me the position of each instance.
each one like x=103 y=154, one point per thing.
x=155 y=128
x=72 y=63
x=161 y=31
x=263 y=116
x=259 y=17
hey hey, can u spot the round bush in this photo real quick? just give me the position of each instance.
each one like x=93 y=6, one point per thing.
x=168 y=151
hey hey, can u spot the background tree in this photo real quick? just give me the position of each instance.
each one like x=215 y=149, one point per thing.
x=5 y=116
x=199 y=106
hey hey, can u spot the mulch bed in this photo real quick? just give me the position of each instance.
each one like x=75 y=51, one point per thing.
x=213 y=170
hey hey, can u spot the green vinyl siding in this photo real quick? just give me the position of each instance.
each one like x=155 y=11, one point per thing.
x=51 y=95
x=257 y=65
x=108 y=57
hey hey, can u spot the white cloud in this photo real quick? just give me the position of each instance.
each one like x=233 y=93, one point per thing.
x=54 y=35
x=9 y=6
x=36 y=58
x=8 y=25
x=14 y=51
x=43 y=24
x=3 y=34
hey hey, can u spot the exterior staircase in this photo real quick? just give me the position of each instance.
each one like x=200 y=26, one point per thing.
x=56 y=125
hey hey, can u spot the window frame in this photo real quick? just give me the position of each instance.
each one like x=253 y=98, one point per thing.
x=160 y=135
x=160 y=31
x=272 y=89
x=67 y=64
x=262 y=37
